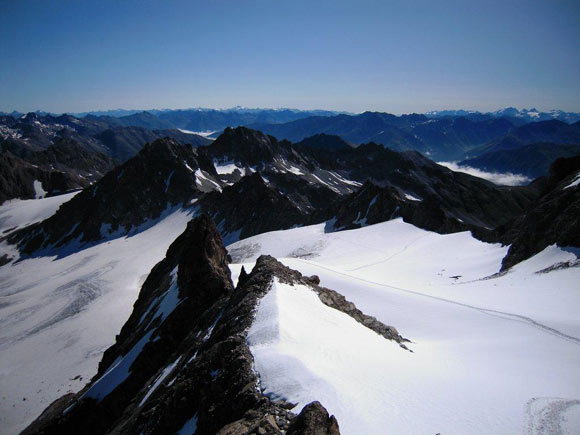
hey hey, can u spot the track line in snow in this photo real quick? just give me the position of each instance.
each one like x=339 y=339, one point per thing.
x=496 y=313
x=384 y=260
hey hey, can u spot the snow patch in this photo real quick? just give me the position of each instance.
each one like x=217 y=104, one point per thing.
x=18 y=213
x=305 y=351
x=116 y=374
x=575 y=182
x=38 y=190
x=203 y=178
x=411 y=197
x=190 y=427
x=166 y=372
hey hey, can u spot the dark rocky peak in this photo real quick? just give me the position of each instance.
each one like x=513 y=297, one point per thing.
x=162 y=176
x=251 y=148
x=182 y=362
x=554 y=218
x=248 y=146
x=30 y=117
x=194 y=273
x=563 y=168
x=324 y=143
x=314 y=420
x=250 y=207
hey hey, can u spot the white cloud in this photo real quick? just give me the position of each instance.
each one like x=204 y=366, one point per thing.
x=504 y=179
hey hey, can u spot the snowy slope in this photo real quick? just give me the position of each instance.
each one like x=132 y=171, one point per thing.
x=57 y=315
x=496 y=355
x=18 y=213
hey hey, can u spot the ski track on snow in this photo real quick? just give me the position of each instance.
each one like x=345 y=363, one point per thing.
x=496 y=313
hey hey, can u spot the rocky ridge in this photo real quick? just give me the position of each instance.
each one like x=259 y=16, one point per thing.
x=182 y=357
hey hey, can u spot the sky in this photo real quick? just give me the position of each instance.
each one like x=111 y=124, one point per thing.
x=393 y=56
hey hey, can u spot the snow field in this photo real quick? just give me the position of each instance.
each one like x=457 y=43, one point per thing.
x=69 y=310
x=482 y=349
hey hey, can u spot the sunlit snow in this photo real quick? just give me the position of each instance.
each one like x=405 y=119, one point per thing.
x=491 y=354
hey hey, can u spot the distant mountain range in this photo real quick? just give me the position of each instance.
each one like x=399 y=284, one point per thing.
x=515 y=115
x=501 y=141
x=444 y=138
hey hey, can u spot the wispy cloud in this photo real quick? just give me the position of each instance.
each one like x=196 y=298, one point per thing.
x=501 y=178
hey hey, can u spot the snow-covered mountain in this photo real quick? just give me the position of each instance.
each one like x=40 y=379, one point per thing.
x=231 y=340
x=482 y=332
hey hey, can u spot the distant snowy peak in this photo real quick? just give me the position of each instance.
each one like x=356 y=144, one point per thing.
x=526 y=115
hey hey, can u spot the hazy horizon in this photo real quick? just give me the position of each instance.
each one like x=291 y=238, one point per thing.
x=162 y=109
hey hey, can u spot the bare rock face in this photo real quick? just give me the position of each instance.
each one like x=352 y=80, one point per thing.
x=314 y=420
x=251 y=207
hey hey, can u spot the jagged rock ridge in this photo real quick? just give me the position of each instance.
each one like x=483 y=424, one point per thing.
x=182 y=356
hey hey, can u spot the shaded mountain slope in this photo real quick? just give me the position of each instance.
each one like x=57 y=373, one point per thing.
x=106 y=135
x=164 y=174
x=552 y=219
x=67 y=155
x=20 y=179
x=468 y=199
x=250 y=207
x=532 y=160
x=545 y=131
x=124 y=142
x=353 y=128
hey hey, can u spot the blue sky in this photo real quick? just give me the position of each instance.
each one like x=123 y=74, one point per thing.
x=394 y=56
